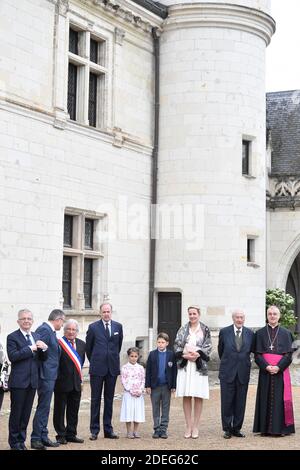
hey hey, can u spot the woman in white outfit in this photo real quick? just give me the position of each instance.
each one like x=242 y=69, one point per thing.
x=192 y=349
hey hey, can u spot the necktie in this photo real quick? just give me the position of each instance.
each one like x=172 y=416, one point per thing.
x=107 y=330
x=238 y=339
x=28 y=340
x=73 y=344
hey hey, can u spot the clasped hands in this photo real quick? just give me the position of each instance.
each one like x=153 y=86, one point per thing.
x=39 y=345
x=272 y=369
x=191 y=356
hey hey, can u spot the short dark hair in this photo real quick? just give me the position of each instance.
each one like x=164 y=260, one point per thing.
x=163 y=336
x=55 y=314
x=133 y=350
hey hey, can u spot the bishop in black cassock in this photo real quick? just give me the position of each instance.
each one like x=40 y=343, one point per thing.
x=274 y=408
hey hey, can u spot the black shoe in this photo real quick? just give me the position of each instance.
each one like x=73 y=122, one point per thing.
x=111 y=435
x=61 y=440
x=49 y=443
x=18 y=446
x=38 y=445
x=227 y=435
x=75 y=439
x=164 y=435
x=23 y=447
x=93 y=437
x=156 y=435
x=237 y=433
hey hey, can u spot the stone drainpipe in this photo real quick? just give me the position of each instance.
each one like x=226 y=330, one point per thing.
x=155 y=35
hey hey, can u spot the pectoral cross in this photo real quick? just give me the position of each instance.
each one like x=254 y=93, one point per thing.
x=271 y=347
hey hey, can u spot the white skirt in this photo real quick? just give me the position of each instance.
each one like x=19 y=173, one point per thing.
x=190 y=383
x=132 y=409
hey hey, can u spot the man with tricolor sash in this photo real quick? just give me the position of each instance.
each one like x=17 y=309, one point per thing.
x=67 y=391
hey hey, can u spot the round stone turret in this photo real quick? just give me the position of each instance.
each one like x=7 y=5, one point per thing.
x=212 y=156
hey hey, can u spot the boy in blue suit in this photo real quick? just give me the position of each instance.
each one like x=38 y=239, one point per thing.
x=161 y=373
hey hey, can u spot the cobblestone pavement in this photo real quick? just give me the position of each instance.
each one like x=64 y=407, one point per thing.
x=210 y=436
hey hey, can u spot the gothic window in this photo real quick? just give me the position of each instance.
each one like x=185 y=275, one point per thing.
x=250 y=250
x=87 y=75
x=293 y=288
x=88 y=282
x=72 y=91
x=68 y=230
x=67 y=280
x=82 y=259
x=88 y=234
x=246 y=157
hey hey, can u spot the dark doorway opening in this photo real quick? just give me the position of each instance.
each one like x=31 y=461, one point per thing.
x=169 y=314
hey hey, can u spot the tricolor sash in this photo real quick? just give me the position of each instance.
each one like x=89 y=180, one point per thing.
x=273 y=360
x=72 y=353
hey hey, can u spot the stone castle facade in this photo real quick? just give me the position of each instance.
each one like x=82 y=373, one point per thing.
x=121 y=119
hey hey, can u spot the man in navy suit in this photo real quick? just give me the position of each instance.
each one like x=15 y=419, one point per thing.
x=103 y=345
x=234 y=348
x=47 y=376
x=161 y=373
x=24 y=350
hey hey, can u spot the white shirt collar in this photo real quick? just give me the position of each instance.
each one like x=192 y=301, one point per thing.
x=26 y=332
x=51 y=326
x=235 y=329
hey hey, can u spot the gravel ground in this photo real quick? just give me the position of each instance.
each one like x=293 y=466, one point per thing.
x=210 y=436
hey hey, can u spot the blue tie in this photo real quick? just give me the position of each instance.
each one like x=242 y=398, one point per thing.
x=28 y=340
x=107 y=330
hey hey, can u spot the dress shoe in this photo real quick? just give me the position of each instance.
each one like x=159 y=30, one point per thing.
x=238 y=434
x=111 y=435
x=163 y=435
x=61 y=440
x=156 y=435
x=93 y=437
x=227 y=435
x=38 y=445
x=17 y=447
x=23 y=447
x=75 y=439
x=49 y=443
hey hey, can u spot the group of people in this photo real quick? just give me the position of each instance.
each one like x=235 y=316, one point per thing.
x=42 y=363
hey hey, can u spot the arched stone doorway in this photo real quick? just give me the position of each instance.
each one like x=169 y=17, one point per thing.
x=293 y=288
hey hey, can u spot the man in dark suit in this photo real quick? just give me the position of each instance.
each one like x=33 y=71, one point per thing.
x=47 y=377
x=24 y=350
x=234 y=348
x=67 y=390
x=103 y=345
x=161 y=373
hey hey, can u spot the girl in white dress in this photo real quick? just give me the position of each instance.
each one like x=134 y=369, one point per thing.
x=192 y=349
x=133 y=381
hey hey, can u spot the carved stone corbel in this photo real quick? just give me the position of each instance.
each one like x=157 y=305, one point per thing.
x=119 y=36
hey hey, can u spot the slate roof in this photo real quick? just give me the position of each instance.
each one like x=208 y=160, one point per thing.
x=283 y=127
x=155 y=7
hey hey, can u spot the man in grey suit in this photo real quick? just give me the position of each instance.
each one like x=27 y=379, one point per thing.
x=47 y=377
x=234 y=348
